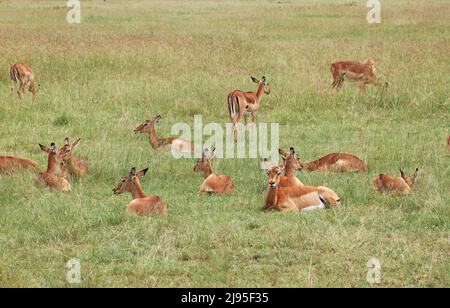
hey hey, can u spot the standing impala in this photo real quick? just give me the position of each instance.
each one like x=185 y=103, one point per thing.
x=142 y=205
x=54 y=177
x=337 y=162
x=9 y=164
x=364 y=73
x=400 y=186
x=176 y=143
x=213 y=183
x=246 y=103
x=21 y=73
x=291 y=163
x=76 y=167
x=296 y=198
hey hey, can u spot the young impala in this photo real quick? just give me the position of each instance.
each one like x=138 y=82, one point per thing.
x=21 y=73
x=291 y=163
x=9 y=164
x=176 y=143
x=400 y=186
x=76 y=167
x=142 y=205
x=337 y=162
x=296 y=198
x=213 y=183
x=364 y=73
x=54 y=177
x=246 y=103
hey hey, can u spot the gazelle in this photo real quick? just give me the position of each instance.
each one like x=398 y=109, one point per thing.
x=21 y=73
x=291 y=164
x=337 y=162
x=142 y=205
x=400 y=186
x=76 y=167
x=54 y=177
x=176 y=143
x=9 y=164
x=364 y=73
x=296 y=198
x=246 y=103
x=213 y=183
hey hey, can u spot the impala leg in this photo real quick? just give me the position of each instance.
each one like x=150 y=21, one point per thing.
x=362 y=87
x=12 y=87
x=21 y=89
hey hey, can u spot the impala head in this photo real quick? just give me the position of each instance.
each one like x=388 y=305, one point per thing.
x=263 y=83
x=410 y=180
x=127 y=183
x=68 y=148
x=328 y=197
x=371 y=63
x=274 y=174
x=204 y=163
x=147 y=125
x=291 y=159
x=54 y=157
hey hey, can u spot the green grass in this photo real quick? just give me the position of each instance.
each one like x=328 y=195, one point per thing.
x=127 y=62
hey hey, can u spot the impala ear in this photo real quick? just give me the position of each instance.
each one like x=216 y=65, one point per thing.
x=267 y=164
x=142 y=173
x=292 y=151
x=402 y=174
x=53 y=148
x=44 y=148
x=212 y=153
x=66 y=141
x=416 y=173
x=264 y=80
x=255 y=80
x=283 y=154
x=76 y=143
x=132 y=173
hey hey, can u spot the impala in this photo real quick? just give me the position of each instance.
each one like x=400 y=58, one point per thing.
x=364 y=73
x=296 y=198
x=213 y=183
x=291 y=164
x=176 y=143
x=400 y=186
x=246 y=103
x=21 y=73
x=337 y=162
x=142 y=205
x=76 y=167
x=9 y=164
x=54 y=177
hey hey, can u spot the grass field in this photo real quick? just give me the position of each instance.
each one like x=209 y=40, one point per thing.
x=130 y=60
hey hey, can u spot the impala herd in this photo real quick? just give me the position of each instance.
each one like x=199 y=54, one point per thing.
x=285 y=191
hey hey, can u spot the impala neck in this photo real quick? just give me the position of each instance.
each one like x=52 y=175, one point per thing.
x=136 y=191
x=52 y=164
x=289 y=170
x=153 y=137
x=271 y=197
x=259 y=94
x=207 y=171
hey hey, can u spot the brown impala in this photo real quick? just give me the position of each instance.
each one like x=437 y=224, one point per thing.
x=246 y=103
x=9 y=164
x=142 y=205
x=179 y=144
x=21 y=73
x=291 y=163
x=76 y=167
x=364 y=73
x=337 y=162
x=400 y=186
x=54 y=177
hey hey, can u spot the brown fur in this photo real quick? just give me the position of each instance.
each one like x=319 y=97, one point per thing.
x=246 y=103
x=142 y=205
x=291 y=163
x=162 y=143
x=399 y=186
x=54 y=176
x=364 y=73
x=337 y=162
x=76 y=167
x=9 y=165
x=296 y=198
x=21 y=73
x=213 y=183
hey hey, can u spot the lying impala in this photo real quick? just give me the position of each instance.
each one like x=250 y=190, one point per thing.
x=246 y=103
x=291 y=164
x=213 y=183
x=337 y=162
x=400 y=186
x=9 y=164
x=142 y=205
x=54 y=177
x=176 y=143
x=296 y=198
x=364 y=73
x=21 y=73
x=76 y=167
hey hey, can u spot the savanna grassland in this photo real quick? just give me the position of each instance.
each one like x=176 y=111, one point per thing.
x=130 y=60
